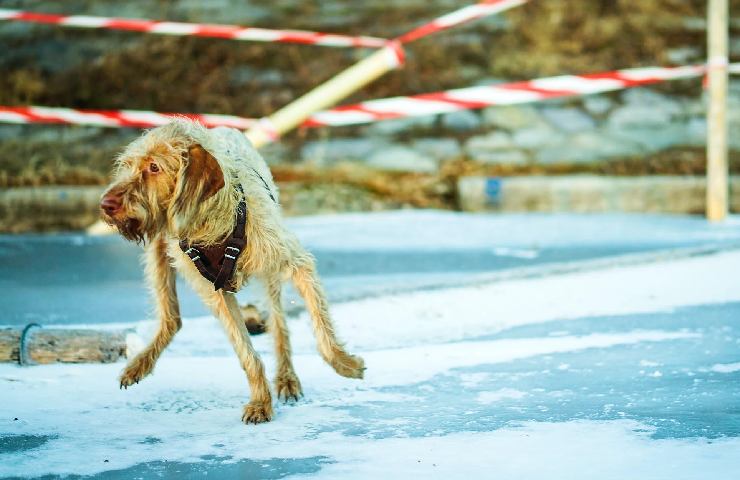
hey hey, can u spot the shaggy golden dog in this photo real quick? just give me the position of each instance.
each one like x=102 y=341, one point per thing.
x=188 y=192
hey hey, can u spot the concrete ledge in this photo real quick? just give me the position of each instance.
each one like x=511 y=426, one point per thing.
x=48 y=208
x=76 y=208
x=589 y=193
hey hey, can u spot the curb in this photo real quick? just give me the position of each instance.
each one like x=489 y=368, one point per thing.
x=589 y=194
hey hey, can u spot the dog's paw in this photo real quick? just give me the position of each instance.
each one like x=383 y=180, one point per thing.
x=134 y=373
x=257 y=412
x=350 y=366
x=255 y=320
x=288 y=386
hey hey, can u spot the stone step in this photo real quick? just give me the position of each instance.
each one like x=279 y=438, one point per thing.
x=589 y=193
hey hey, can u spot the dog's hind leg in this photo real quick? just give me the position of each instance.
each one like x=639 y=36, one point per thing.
x=308 y=285
x=161 y=278
x=287 y=384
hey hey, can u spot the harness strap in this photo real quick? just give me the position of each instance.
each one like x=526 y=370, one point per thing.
x=199 y=260
x=234 y=247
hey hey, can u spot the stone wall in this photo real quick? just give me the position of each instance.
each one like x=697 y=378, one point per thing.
x=633 y=123
x=45 y=65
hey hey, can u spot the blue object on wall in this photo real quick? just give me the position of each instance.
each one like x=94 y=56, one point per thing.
x=493 y=190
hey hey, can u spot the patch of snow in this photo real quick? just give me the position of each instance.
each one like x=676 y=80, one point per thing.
x=498 y=395
x=447 y=315
x=194 y=403
x=135 y=341
x=421 y=363
x=525 y=233
x=470 y=380
x=726 y=367
x=560 y=393
x=571 y=450
x=516 y=252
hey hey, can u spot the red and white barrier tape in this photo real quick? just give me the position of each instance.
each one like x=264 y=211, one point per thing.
x=338 y=87
x=113 y=118
x=386 y=108
x=463 y=15
x=233 y=32
x=502 y=94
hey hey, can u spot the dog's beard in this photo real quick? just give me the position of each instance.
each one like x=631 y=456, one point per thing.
x=129 y=228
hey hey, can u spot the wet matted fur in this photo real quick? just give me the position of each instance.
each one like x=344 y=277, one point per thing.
x=179 y=181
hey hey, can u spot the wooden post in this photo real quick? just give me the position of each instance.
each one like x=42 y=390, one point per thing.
x=52 y=345
x=717 y=32
x=326 y=94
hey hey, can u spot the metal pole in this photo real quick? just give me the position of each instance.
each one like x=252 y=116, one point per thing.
x=717 y=181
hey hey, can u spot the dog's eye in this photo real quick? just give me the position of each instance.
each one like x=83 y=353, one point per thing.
x=153 y=167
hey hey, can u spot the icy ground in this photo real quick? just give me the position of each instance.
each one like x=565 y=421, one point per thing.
x=84 y=279
x=621 y=370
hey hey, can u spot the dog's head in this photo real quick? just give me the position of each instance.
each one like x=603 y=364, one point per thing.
x=161 y=182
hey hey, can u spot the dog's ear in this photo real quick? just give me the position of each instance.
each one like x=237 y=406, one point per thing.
x=200 y=177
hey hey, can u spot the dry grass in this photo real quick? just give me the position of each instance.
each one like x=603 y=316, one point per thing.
x=27 y=164
x=544 y=38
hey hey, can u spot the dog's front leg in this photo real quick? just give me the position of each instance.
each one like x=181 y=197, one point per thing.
x=225 y=307
x=161 y=278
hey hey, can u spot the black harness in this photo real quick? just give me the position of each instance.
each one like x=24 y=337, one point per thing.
x=217 y=262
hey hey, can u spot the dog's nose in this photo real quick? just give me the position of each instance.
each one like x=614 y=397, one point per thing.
x=110 y=203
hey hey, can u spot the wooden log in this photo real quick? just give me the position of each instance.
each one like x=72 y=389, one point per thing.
x=52 y=345
x=46 y=345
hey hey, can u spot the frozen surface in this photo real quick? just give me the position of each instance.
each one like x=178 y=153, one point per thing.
x=623 y=372
x=511 y=233
x=98 y=279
